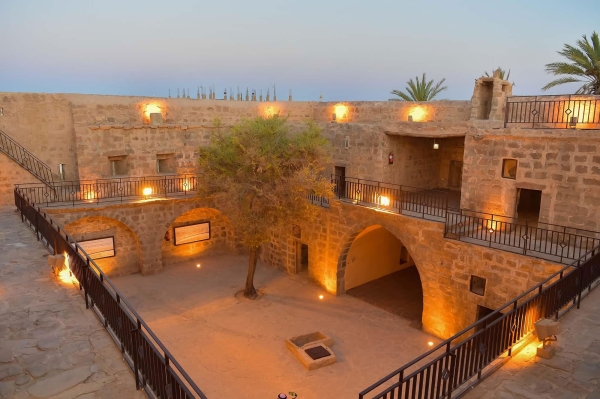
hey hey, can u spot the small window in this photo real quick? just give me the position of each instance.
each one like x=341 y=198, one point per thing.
x=477 y=285
x=347 y=142
x=165 y=163
x=118 y=166
x=509 y=168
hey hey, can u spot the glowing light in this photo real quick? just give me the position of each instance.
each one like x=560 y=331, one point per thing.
x=152 y=108
x=65 y=275
x=271 y=111
x=90 y=195
x=198 y=265
x=384 y=201
x=430 y=343
x=320 y=296
x=491 y=225
x=147 y=191
x=341 y=111
x=417 y=114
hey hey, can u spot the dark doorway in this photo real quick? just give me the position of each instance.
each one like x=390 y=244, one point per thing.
x=301 y=257
x=455 y=174
x=528 y=204
x=482 y=312
x=399 y=293
x=340 y=177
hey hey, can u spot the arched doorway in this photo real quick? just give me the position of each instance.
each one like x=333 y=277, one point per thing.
x=380 y=271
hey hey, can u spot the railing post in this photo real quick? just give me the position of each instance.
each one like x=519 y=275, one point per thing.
x=86 y=271
x=580 y=283
x=134 y=336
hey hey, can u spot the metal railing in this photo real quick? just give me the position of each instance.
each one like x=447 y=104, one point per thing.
x=110 y=190
x=554 y=112
x=548 y=241
x=412 y=201
x=155 y=369
x=442 y=371
x=26 y=159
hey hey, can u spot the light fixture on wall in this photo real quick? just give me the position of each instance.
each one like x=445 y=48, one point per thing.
x=436 y=146
x=391 y=158
x=2 y=111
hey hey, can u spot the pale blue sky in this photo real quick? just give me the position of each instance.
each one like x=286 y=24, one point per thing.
x=346 y=50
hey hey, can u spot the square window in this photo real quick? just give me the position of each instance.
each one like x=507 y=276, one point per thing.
x=118 y=166
x=477 y=285
x=165 y=163
x=509 y=168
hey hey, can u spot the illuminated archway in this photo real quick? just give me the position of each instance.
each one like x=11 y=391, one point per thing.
x=127 y=257
x=220 y=238
x=379 y=269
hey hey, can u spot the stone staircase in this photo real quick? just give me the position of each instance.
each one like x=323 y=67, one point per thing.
x=26 y=159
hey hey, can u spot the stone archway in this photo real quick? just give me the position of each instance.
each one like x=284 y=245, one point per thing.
x=378 y=269
x=221 y=239
x=127 y=259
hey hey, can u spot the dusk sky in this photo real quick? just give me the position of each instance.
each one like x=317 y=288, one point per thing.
x=346 y=50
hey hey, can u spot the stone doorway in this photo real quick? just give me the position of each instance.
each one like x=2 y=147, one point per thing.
x=482 y=312
x=301 y=257
x=528 y=205
x=455 y=174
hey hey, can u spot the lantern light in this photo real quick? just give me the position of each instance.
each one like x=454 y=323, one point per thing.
x=436 y=146
x=147 y=191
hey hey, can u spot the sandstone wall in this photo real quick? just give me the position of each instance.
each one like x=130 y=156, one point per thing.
x=562 y=164
x=127 y=247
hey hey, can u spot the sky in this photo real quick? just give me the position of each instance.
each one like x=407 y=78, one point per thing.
x=342 y=50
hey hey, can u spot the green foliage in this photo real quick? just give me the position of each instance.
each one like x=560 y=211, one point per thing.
x=260 y=172
x=502 y=74
x=584 y=66
x=419 y=90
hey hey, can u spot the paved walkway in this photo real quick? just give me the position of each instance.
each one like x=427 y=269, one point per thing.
x=50 y=345
x=573 y=373
x=235 y=348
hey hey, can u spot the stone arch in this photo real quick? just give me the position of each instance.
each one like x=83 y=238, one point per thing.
x=222 y=238
x=128 y=256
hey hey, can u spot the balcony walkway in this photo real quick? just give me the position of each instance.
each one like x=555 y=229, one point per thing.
x=49 y=343
x=572 y=373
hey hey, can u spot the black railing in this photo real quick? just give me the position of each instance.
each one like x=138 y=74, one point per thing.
x=155 y=369
x=554 y=112
x=443 y=371
x=548 y=241
x=110 y=190
x=412 y=201
x=26 y=159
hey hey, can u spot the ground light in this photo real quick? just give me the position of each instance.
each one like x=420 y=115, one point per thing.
x=320 y=296
x=430 y=343
x=198 y=265
x=147 y=191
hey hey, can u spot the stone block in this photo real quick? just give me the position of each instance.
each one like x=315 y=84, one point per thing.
x=546 y=352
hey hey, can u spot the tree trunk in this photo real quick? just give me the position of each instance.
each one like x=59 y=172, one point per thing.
x=250 y=291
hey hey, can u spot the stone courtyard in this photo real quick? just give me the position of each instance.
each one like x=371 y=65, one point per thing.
x=233 y=347
x=50 y=345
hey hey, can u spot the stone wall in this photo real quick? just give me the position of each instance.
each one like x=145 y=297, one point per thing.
x=562 y=164
x=150 y=220
x=445 y=266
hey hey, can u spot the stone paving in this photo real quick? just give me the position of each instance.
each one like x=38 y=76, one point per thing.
x=50 y=345
x=235 y=348
x=573 y=373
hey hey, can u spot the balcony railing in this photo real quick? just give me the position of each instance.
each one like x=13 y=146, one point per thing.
x=110 y=190
x=155 y=369
x=450 y=366
x=554 y=112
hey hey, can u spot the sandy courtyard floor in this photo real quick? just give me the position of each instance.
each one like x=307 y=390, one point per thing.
x=236 y=348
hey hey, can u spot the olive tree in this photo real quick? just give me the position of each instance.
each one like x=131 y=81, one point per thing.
x=259 y=173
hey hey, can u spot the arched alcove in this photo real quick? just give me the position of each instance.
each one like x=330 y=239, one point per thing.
x=127 y=256
x=219 y=240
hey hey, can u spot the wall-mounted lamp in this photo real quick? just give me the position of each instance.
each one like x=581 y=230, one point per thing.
x=573 y=122
x=391 y=158
x=436 y=146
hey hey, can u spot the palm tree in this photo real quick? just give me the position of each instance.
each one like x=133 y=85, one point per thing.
x=419 y=90
x=502 y=73
x=584 y=66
